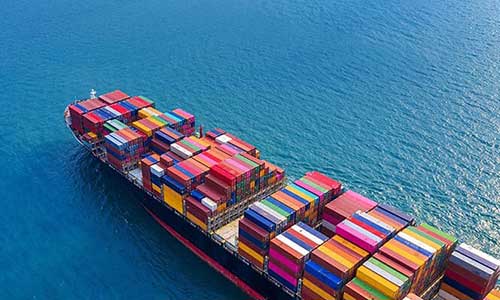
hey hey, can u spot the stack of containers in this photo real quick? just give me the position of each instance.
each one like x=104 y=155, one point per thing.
x=471 y=274
x=123 y=147
x=342 y=208
x=136 y=103
x=112 y=126
x=214 y=133
x=417 y=252
x=384 y=278
x=438 y=260
x=211 y=157
x=147 y=112
x=240 y=144
x=254 y=234
x=366 y=231
x=264 y=220
x=322 y=186
x=312 y=201
x=234 y=178
x=113 y=97
x=174 y=193
x=163 y=138
x=157 y=172
x=199 y=210
x=77 y=110
x=187 y=147
x=188 y=174
x=228 y=149
x=448 y=240
x=146 y=164
x=174 y=120
x=94 y=121
x=188 y=127
x=272 y=174
x=166 y=160
x=126 y=112
x=289 y=251
x=392 y=216
x=330 y=267
x=148 y=126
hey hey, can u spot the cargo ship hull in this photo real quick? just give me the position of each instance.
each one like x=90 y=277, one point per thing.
x=253 y=282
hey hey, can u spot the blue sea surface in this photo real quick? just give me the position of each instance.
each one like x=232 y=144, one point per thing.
x=400 y=100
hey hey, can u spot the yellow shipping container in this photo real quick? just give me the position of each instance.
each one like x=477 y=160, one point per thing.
x=296 y=191
x=346 y=296
x=154 y=121
x=419 y=260
x=156 y=188
x=200 y=141
x=197 y=221
x=148 y=112
x=221 y=207
x=174 y=199
x=383 y=285
x=142 y=128
x=350 y=245
x=336 y=256
x=251 y=252
x=319 y=291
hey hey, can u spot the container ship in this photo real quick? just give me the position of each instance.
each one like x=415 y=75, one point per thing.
x=274 y=238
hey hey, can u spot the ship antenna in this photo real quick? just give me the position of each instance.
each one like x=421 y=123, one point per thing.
x=92 y=94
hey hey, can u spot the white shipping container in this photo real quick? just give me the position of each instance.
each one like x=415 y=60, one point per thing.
x=180 y=151
x=292 y=245
x=377 y=221
x=157 y=170
x=376 y=269
x=363 y=231
x=112 y=111
x=307 y=235
x=417 y=242
x=209 y=203
x=223 y=139
x=270 y=211
x=481 y=254
x=119 y=138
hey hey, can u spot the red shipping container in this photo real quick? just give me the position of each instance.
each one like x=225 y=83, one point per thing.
x=223 y=174
x=212 y=194
x=139 y=103
x=113 y=97
x=197 y=209
x=166 y=160
x=159 y=145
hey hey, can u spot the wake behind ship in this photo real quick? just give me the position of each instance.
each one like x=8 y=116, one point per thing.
x=308 y=239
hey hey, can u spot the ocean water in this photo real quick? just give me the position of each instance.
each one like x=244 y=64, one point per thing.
x=400 y=100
